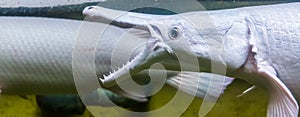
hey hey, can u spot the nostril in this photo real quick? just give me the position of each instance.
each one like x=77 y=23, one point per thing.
x=91 y=7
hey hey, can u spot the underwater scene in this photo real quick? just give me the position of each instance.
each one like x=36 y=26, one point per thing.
x=24 y=94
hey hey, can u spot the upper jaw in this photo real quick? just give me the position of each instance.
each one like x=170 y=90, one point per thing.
x=155 y=46
x=118 y=18
x=152 y=53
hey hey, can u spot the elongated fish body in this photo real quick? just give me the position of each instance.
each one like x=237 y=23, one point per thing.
x=36 y=53
x=259 y=44
x=28 y=49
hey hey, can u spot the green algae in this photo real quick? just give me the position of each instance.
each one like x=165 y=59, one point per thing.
x=16 y=106
x=26 y=106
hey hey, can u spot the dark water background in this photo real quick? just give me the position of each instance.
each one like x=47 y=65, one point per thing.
x=74 y=11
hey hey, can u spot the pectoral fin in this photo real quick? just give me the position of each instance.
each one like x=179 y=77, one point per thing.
x=281 y=101
x=205 y=85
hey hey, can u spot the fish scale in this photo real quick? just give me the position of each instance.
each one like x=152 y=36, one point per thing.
x=30 y=55
x=36 y=53
x=282 y=44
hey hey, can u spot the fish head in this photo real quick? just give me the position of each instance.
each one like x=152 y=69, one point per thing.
x=181 y=41
x=169 y=38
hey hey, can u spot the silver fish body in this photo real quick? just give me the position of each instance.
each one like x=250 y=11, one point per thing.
x=36 y=53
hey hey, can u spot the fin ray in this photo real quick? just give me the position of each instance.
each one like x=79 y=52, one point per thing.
x=198 y=83
x=281 y=101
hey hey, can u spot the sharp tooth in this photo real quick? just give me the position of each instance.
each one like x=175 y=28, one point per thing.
x=104 y=76
x=110 y=72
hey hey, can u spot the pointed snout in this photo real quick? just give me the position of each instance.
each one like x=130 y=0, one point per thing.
x=123 y=19
x=101 y=12
x=88 y=9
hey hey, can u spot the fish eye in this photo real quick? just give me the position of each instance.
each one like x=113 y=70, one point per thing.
x=174 y=32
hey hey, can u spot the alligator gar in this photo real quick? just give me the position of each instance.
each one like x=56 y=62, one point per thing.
x=259 y=44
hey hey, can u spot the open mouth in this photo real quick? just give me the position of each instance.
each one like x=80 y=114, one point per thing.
x=123 y=72
x=155 y=46
x=150 y=55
